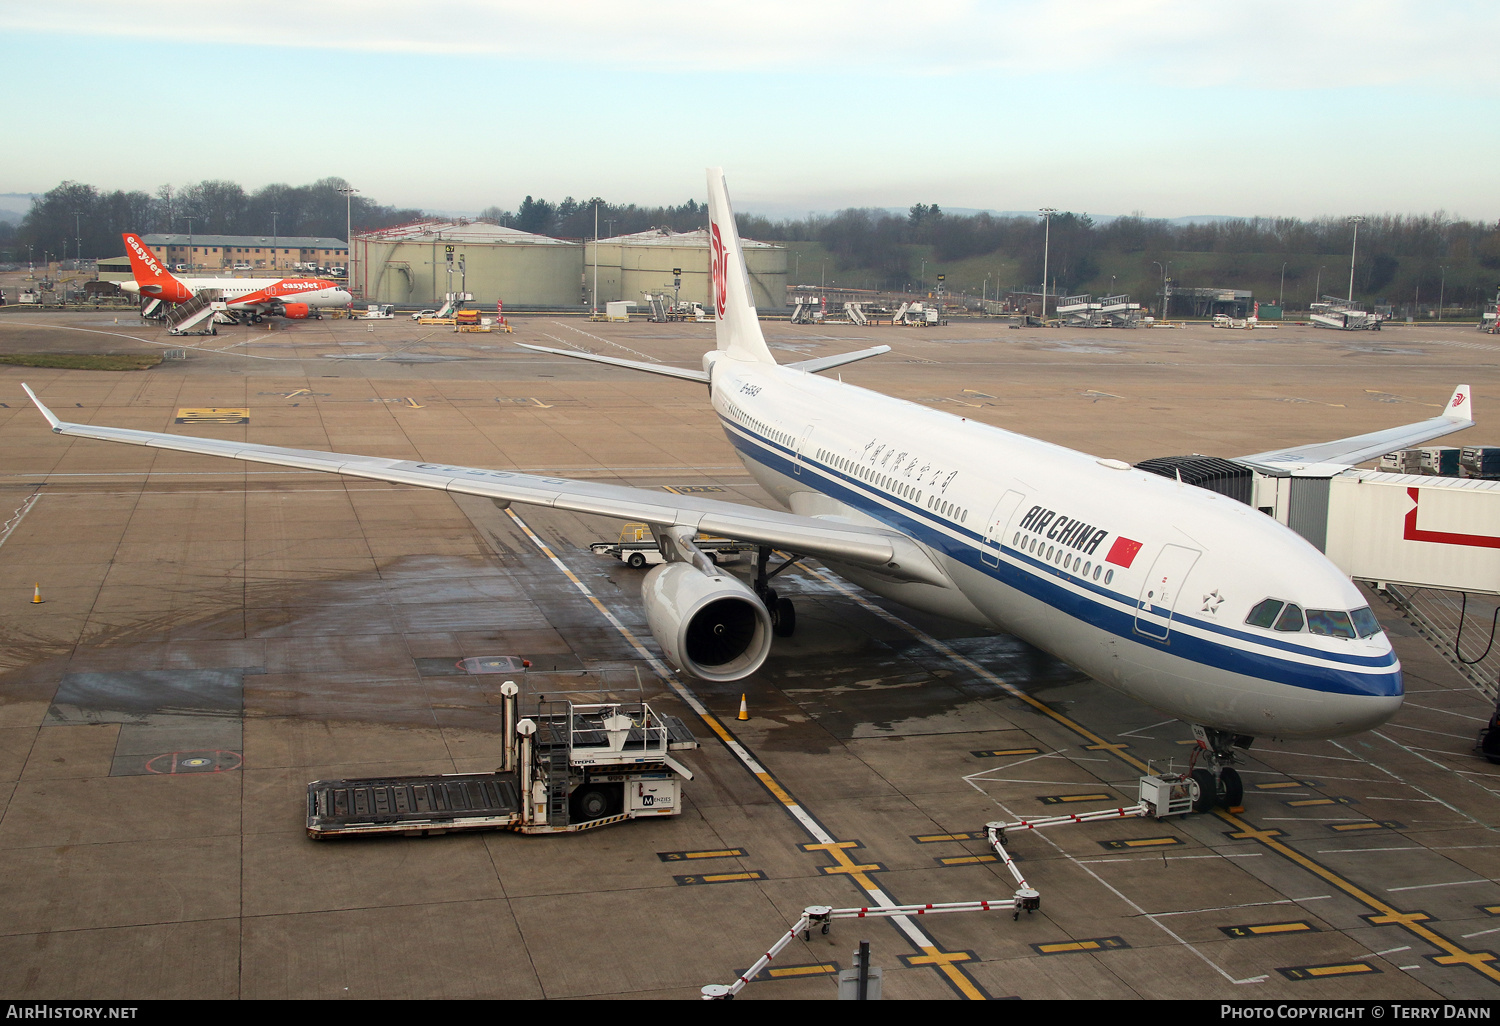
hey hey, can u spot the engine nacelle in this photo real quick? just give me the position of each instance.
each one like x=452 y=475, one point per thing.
x=296 y=311
x=713 y=628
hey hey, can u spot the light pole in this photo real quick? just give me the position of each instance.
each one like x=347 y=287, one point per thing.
x=1281 y=295
x=273 y=238
x=348 y=192
x=1353 y=248
x=594 y=299
x=1046 y=215
x=1164 y=296
x=1442 y=283
x=190 y=219
x=1318 y=285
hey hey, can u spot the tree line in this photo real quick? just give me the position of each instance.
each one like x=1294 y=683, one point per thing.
x=1402 y=259
x=77 y=219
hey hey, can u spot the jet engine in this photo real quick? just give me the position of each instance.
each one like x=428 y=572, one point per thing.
x=296 y=311
x=710 y=626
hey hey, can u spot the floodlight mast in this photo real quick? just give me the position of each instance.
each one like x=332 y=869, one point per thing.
x=1354 y=248
x=348 y=192
x=1046 y=214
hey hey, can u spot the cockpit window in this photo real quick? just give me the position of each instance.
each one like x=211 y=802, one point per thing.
x=1333 y=623
x=1365 y=622
x=1290 y=619
x=1264 y=613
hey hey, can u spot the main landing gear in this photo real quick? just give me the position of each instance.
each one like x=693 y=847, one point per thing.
x=1216 y=784
x=783 y=613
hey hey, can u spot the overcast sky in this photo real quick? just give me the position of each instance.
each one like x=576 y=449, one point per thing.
x=1166 y=107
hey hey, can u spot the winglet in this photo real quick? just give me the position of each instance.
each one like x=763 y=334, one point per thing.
x=1461 y=406
x=51 y=417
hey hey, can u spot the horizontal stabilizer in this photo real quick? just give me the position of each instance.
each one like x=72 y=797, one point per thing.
x=829 y=362
x=1458 y=414
x=687 y=374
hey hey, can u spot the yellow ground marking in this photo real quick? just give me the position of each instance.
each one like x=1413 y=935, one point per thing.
x=1303 y=803
x=713 y=878
x=1007 y=751
x=1077 y=947
x=1358 y=826
x=846 y=865
x=1300 y=972
x=1264 y=929
x=1144 y=842
x=947 y=963
x=930 y=838
x=967 y=860
x=1387 y=915
x=213 y=415
x=1058 y=799
x=781 y=972
x=678 y=856
x=1281 y=784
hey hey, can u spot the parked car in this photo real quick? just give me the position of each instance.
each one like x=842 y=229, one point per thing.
x=423 y=313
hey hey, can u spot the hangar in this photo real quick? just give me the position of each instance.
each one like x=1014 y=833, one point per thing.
x=418 y=262
x=643 y=262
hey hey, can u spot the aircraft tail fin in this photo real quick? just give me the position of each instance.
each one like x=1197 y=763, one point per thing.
x=735 y=323
x=151 y=275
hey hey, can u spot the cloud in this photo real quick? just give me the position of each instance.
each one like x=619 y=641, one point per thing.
x=1261 y=44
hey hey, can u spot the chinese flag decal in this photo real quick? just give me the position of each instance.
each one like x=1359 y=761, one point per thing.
x=1122 y=552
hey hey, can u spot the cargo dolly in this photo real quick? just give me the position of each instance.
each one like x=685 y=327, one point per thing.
x=567 y=767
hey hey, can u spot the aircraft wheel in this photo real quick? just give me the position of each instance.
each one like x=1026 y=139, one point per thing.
x=636 y=560
x=1231 y=788
x=783 y=618
x=1204 y=789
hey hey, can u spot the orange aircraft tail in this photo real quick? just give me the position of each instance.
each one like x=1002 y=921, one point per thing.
x=151 y=275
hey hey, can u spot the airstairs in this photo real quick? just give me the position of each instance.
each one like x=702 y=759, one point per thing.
x=856 y=313
x=196 y=316
x=1343 y=315
x=808 y=310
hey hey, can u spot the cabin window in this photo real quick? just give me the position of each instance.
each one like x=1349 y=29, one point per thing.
x=1264 y=613
x=1049 y=552
x=1290 y=620
x=1330 y=623
x=1109 y=576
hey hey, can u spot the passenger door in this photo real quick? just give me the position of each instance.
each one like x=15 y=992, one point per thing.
x=1161 y=590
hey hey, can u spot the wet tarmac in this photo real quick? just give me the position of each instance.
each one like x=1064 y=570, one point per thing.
x=213 y=637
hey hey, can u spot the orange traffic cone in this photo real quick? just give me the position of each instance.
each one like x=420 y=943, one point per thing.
x=744 y=710
x=36 y=596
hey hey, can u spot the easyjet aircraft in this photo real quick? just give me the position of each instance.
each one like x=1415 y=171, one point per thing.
x=1180 y=597
x=247 y=298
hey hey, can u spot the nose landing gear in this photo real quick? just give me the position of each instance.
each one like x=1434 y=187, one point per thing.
x=1218 y=784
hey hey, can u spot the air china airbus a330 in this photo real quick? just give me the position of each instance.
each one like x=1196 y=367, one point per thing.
x=1182 y=598
x=246 y=298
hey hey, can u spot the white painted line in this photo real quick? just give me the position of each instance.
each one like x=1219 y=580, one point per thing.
x=19 y=515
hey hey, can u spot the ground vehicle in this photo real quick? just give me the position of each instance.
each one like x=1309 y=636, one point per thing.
x=567 y=767
x=423 y=313
x=638 y=548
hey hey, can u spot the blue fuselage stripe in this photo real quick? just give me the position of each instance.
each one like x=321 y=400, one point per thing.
x=1042 y=581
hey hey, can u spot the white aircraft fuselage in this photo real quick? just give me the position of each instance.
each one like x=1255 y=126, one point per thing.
x=1140 y=582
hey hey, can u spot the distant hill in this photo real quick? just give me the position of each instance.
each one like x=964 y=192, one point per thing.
x=781 y=211
x=14 y=205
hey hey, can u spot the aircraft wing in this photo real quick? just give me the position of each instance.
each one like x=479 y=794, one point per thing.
x=887 y=551
x=1457 y=415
